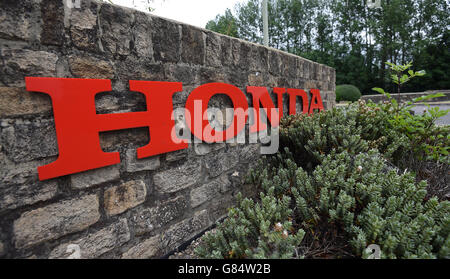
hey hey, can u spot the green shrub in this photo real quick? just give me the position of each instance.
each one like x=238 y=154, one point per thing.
x=254 y=230
x=345 y=195
x=371 y=203
x=347 y=92
x=339 y=183
x=357 y=128
x=333 y=184
x=427 y=140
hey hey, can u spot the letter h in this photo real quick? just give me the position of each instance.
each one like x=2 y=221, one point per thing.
x=77 y=124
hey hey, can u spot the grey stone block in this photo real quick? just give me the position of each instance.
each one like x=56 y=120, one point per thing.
x=19 y=63
x=210 y=191
x=84 y=30
x=249 y=153
x=150 y=219
x=52 y=12
x=184 y=230
x=226 y=51
x=55 y=220
x=133 y=164
x=274 y=62
x=19 y=186
x=94 y=177
x=176 y=155
x=29 y=140
x=25 y=12
x=120 y=198
x=166 y=38
x=2 y=249
x=205 y=148
x=181 y=73
x=115 y=24
x=145 y=249
x=213 y=50
x=178 y=178
x=142 y=34
x=222 y=161
x=97 y=243
x=192 y=45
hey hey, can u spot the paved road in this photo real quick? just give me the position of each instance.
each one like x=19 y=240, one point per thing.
x=445 y=120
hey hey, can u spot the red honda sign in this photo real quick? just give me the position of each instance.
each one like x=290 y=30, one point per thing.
x=78 y=125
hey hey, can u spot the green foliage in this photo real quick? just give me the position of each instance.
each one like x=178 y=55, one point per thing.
x=344 y=195
x=347 y=92
x=388 y=210
x=254 y=230
x=225 y=24
x=434 y=58
x=356 y=129
x=426 y=140
x=355 y=39
x=333 y=181
x=399 y=77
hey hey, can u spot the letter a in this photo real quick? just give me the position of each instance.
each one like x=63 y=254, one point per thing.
x=316 y=101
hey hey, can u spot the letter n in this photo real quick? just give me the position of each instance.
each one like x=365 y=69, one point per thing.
x=261 y=95
x=77 y=124
x=293 y=93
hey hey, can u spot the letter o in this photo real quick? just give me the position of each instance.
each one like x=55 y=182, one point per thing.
x=201 y=95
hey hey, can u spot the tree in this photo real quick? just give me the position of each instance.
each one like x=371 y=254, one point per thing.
x=354 y=38
x=225 y=24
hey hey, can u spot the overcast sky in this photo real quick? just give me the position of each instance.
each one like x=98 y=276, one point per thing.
x=194 y=12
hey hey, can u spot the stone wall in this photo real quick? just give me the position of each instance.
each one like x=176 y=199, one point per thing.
x=138 y=208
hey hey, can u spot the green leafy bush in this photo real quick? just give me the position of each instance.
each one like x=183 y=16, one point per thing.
x=426 y=140
x=340 y=183
x=346 y=196
x=254 y=230
x=347 y=92
x=334 y=186
x=371 y=203
x=357 y=128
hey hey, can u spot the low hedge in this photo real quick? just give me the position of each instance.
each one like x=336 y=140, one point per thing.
x=347 y=92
